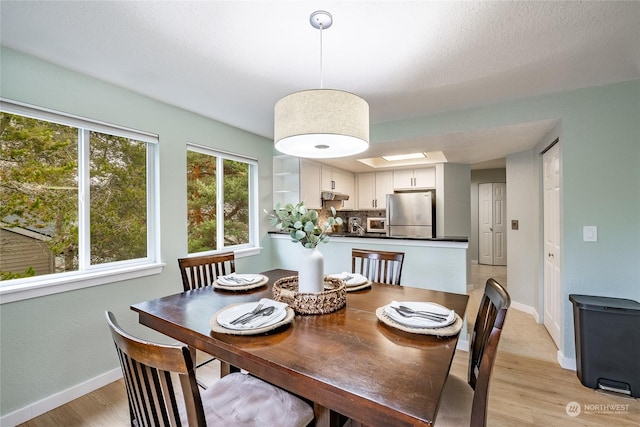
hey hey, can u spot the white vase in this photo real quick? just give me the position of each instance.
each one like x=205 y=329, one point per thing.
x=311 y=271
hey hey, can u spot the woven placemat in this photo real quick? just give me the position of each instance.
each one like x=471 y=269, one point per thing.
x=263 y=281
x=445 y=331
x=365 y=285
x=333 y=298
x=216 y=327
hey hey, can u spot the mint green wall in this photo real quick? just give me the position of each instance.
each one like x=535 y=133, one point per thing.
x=600 y=144
x=524 y=268
x=51 y=343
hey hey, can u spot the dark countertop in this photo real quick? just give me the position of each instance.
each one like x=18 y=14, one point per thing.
x=384 y=236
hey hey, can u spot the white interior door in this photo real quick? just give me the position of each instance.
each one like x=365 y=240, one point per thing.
x=552 y=265
x=499 y=223
x=485 y=224
x=492 y=228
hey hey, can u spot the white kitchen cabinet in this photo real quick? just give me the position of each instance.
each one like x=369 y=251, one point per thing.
x=414 y=179
x=373 y=189
x=286 y=180
x=296 y=180
x=326 y=180
x=310 y=184
x=339 y=181
x=384 y=186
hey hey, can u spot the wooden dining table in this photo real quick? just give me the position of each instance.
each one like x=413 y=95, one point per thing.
x=346 y=362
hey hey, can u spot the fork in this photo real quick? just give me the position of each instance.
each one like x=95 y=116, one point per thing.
x=245 y=315
x=267 y=311
x=235 y=279
x=431 y=313
x=408 y=312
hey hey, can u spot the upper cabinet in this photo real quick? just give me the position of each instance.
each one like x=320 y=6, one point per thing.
x=373 y=189
x=310 y=173
x=414 y=179
x=296 y=179
x=339 y=181
x=286 y=180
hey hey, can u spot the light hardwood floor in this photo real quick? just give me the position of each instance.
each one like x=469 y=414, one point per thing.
x=528 y=387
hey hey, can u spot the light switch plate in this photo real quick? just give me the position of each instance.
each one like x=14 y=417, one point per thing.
x=590 y=233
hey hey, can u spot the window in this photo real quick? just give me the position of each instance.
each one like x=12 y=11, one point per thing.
x=76 y=196
x=221 y=209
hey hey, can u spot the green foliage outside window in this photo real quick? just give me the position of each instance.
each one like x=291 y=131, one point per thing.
x=202 y=202
x=39 y=190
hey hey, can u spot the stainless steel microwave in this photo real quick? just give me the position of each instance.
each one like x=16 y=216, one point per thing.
x=376 y=225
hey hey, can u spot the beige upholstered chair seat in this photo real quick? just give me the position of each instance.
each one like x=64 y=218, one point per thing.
x=455 y=404
x=244 y=401
x=161 y=388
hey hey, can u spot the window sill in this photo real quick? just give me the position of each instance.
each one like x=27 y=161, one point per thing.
x=241 y=253
x=63 y=282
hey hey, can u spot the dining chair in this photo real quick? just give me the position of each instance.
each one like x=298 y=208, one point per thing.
x=464 y=403
x=201 y=271
x=162 y=390
x=378 y=266
x=198 y=272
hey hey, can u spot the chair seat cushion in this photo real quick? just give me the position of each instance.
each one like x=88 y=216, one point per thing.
x=242 y=400
x=455 y=404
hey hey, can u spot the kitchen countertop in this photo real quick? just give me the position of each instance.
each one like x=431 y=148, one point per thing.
x=384 y=236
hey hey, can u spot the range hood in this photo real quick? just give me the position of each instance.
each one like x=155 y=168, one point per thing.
x=333 y=196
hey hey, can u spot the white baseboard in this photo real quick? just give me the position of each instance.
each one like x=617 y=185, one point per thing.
x=527 y=309
x=462 y=345
x=51 y=402
x=566 y=362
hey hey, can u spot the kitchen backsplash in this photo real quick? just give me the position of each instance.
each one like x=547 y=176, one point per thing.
x=345 y=215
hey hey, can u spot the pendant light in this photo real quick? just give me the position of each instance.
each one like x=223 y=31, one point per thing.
x=321 y=123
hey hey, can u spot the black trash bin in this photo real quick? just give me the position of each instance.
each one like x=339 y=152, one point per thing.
x=607 y=334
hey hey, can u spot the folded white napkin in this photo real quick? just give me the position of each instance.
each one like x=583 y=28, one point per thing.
x=350 y=279
x=418 y=321
x=227 y=316
x=234 y=279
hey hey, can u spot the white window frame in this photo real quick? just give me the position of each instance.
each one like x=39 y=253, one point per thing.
x=91 y=275
x=247 y=249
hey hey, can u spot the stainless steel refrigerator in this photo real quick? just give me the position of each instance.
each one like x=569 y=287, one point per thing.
x=411 y=214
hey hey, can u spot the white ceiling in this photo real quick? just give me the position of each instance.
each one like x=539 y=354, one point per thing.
x=232 y=61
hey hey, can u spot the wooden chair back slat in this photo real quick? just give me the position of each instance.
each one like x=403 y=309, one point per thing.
x=484 y=346
x=198 y=272
x=151 y=391
x=378 y=266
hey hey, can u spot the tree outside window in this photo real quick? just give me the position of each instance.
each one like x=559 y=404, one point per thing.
x=218 y=199
x=42 y=185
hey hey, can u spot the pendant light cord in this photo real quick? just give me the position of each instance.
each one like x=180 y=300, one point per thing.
x=321 y=79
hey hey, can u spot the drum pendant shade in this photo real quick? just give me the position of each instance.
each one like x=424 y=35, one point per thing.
x=321 y=123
